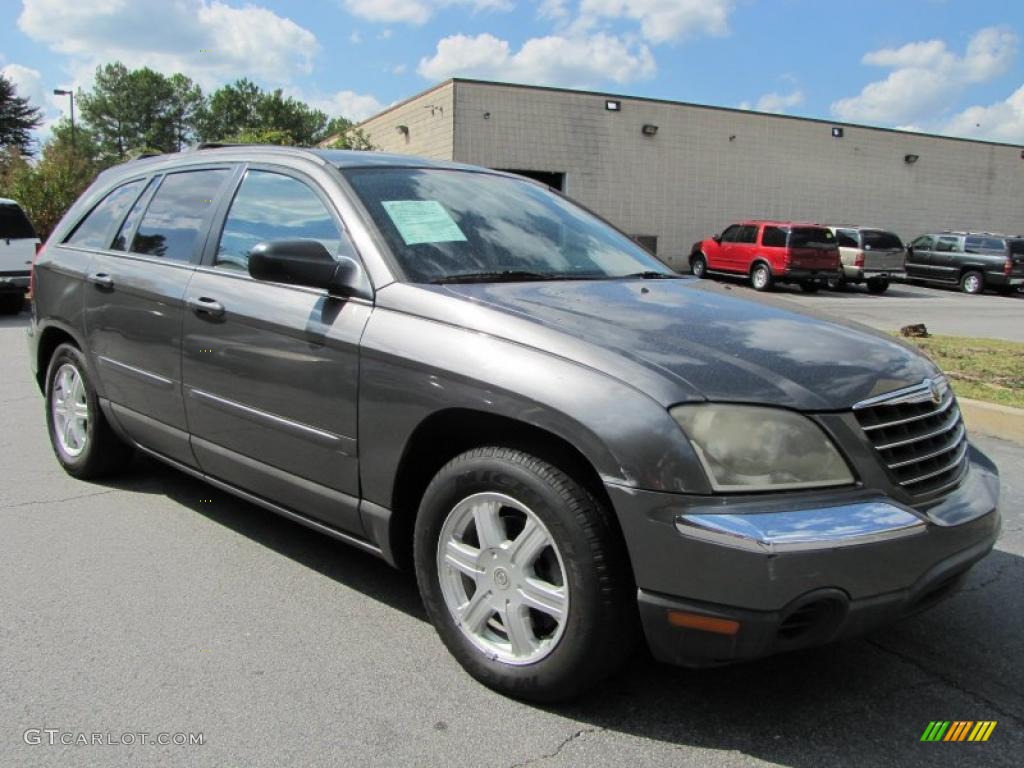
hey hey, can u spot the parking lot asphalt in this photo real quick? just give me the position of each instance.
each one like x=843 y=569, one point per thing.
x=154 y=603
x=944 y=311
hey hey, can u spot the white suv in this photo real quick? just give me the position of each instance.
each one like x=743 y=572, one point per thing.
x=18 y=244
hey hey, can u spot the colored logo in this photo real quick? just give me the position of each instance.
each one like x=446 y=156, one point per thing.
x=958 y=730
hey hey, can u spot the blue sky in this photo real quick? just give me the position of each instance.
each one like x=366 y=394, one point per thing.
x=944 y=66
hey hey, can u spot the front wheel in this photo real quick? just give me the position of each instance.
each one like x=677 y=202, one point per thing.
x=699 y=266
x=761 y=278
x=972 y=282
x=523 y=575
x=83 y=441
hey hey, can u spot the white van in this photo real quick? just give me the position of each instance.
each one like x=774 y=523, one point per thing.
x=18 y=244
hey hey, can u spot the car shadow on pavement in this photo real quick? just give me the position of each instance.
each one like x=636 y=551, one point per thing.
x=865 y=701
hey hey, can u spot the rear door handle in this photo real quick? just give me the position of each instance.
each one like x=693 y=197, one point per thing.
x=204 y=305
x=101 y=280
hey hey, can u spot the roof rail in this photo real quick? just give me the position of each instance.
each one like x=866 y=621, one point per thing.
x=213 y=145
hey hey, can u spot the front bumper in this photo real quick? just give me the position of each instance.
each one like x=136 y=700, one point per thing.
x=785 y=571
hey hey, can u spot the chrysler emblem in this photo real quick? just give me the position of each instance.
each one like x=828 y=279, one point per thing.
x=933 y=385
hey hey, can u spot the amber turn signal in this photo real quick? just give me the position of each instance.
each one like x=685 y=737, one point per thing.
x=703 y=623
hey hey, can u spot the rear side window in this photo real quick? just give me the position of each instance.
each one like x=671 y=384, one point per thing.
x=811 y=237
x=947 y=244
x=272 y=206
x=847 y=238
x=878 y=240
x=96 y=229
x=121 y=241
x=177 y=214
x=976 y=244
x=747 y=234
x=774 y=237
x=14 y=224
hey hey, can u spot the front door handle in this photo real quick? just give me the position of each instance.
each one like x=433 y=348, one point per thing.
x=101 y=280
x=204 y=305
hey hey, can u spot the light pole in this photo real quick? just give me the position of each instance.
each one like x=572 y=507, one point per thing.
x=71 y=95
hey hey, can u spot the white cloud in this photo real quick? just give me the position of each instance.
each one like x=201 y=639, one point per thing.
x=927 y=78
x=355 y=38
x=1002 y=121
x=552 y=9
x=554 y=60
x=208 y=39
x=775 y=102
x=416 y=11
x=354 y=106
x=29 y=84
x=664 y=20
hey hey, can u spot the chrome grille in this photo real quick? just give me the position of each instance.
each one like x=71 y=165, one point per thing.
x=919 y=434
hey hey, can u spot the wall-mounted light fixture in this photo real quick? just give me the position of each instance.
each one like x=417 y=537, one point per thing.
x=487 y=115
x=613 y=105
x=837 y=132
x=910 y=159
x=402 y=129
x=732 y=137
x=649 y=130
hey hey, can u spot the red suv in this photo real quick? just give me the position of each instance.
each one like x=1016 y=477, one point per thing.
x=771 y=252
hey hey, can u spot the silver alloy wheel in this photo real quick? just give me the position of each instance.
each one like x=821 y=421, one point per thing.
x=972 y=284
x=502 y=578
x=699 y=267
x=760 y=277
x=70 y=409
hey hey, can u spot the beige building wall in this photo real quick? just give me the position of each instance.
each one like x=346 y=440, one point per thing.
x=707 y=166
x=429 y=118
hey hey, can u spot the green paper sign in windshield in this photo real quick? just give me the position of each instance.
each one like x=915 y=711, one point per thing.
x=423 y=221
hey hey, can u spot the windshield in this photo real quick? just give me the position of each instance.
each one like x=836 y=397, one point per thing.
x=879 y=240
x=446 y=224
x=14 y=224
x=811 y=237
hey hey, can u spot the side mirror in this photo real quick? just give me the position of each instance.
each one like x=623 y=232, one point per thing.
x=717 y=237
x=308 y=263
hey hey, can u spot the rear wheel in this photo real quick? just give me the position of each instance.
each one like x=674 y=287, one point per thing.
x=523 y=575
x=761 y=277
x=699 y=265
x=11 y=303
x=83 y=441
x=878 y=285
x=972 y=282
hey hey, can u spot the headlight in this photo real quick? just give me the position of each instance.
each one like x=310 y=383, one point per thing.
x=748 y=448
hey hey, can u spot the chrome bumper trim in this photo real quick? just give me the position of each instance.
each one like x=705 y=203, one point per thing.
x=808 y=529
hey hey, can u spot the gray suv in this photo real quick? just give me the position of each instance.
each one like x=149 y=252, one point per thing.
x=463 y=372
x=974 y=261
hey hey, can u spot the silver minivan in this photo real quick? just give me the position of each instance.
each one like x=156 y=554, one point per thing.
x=869 y=255
x=18 y=243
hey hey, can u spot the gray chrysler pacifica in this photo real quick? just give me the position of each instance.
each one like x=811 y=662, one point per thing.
x=465 y=373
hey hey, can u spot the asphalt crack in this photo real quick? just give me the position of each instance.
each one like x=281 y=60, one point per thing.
x=1000 y=572
x=910 y=660
x=56 y=501
x=558 y=750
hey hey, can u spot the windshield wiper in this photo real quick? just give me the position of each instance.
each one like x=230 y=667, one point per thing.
x=504 y=276
x=651 y=274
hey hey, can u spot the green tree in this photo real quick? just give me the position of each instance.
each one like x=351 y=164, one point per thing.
x=230 y=110
x=341 y=133
x=18 y=118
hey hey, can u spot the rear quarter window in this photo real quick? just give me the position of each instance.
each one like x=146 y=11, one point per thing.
x=14 y=224
x=97 y=228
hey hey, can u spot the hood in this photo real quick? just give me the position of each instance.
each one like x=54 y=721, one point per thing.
x=700 y=344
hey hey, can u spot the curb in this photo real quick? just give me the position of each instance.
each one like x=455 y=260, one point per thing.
x=993 y=420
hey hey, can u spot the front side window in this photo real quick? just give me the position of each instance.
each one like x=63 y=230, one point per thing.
x=748 y=234
x=14 y=224
x=272 y=206
x=171 y=225
x=924 y=242
x=847 y=238
x=449 y=224
x=731 y=233
x=947 y=244
x=96 y=229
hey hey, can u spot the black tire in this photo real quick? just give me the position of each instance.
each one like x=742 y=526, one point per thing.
x=103 y=451
x=878 y=286
x=11 y=303
x=972 y=282
x=809 y=286
x=699 y=266
x=601 y=623
x=761 y=277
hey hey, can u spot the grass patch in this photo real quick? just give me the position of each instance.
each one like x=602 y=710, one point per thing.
x=981 y=369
